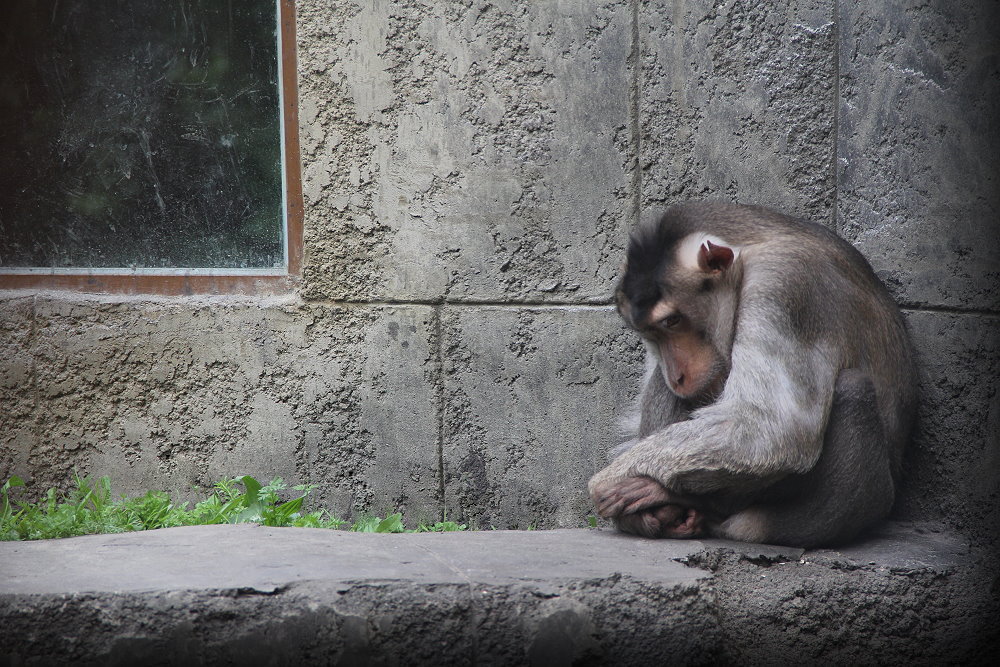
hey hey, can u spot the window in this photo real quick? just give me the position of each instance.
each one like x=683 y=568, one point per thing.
x=148 y=147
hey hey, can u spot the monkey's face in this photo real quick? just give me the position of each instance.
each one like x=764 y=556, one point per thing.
x=674 y=304
x=676 y=331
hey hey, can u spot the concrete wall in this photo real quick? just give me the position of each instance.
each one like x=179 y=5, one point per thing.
x=471 y=170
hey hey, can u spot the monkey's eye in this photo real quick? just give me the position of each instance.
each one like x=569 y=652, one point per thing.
x=670 y=321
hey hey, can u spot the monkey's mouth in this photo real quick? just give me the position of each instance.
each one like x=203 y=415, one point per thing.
x=702 y=393
x=681 y=387
x=687 y=393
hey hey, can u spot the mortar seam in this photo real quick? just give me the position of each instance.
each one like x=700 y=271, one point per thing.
x=439 y=400
x=435 y=303
x=602 y=306
x=634 y=98
x=836 y=118
x=539 y=305
x=947 y=310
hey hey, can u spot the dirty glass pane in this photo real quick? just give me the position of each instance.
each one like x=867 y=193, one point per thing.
x=140 y=134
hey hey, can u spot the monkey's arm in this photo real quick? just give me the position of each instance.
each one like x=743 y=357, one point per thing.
x=769 y=421
x=656 y=407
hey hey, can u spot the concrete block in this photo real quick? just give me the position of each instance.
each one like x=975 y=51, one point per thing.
x=152 y=393
x=175 y=394
x=736 y=102
x=397 y=418
x=474 y=150
x=951 y=468
x=855 y=605
x=918 y=146
x=532 y=399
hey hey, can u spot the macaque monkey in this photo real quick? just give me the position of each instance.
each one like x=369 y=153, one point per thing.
x=781 y=389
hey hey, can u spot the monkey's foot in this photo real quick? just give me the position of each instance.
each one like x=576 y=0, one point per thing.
x=675 y=521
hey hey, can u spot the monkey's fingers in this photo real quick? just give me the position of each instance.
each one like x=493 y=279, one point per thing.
x=609 y=505
x=608 y=501
x=628 y=496
x=649 y=496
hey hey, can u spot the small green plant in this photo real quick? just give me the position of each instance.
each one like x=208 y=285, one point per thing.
x=7 y=515
x=441 y=527
x=373 y=524
x=90 y=508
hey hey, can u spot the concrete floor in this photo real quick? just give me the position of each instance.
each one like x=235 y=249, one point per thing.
x=254 y=595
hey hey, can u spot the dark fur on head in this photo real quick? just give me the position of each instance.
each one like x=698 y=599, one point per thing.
x=650 y=252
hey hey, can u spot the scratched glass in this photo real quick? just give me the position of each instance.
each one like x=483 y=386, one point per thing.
x=140 y=134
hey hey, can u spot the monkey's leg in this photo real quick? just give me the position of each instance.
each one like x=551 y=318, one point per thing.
x=850 y=487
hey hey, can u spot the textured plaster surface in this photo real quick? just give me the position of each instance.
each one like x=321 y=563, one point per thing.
x=368 y=401
x=919 y=176
x=517 y=451
x=736 y=102
x=467 y=150
x=211 y=594
x=953 y=467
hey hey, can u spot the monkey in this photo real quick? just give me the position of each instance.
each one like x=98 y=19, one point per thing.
x=781 y=387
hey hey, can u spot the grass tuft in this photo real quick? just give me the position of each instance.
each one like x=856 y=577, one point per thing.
x=89 y=508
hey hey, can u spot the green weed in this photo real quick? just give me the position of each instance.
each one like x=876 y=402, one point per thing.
x=373 y=524
x=441 y=527
x=90 y=508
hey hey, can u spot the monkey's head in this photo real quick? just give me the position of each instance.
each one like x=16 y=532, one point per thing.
x=678 y=292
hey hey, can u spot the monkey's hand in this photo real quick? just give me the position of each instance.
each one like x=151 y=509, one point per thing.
x=628 y=496
x=605 y=482
x=642 y=506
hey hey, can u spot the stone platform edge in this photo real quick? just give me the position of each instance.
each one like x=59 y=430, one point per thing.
x=224 y=594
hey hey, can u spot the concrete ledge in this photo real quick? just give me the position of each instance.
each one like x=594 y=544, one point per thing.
x=232 y=594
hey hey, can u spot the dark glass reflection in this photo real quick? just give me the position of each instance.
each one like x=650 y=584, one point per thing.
x=139 y=134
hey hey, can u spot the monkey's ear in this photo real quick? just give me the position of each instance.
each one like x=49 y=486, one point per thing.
x=714 y=258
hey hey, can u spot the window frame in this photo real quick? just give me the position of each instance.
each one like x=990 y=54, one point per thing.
x=175 y=282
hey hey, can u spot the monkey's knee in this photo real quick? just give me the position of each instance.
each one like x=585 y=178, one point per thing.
x=750 y=525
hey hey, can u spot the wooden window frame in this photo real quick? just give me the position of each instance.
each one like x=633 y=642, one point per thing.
x=217 y=281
